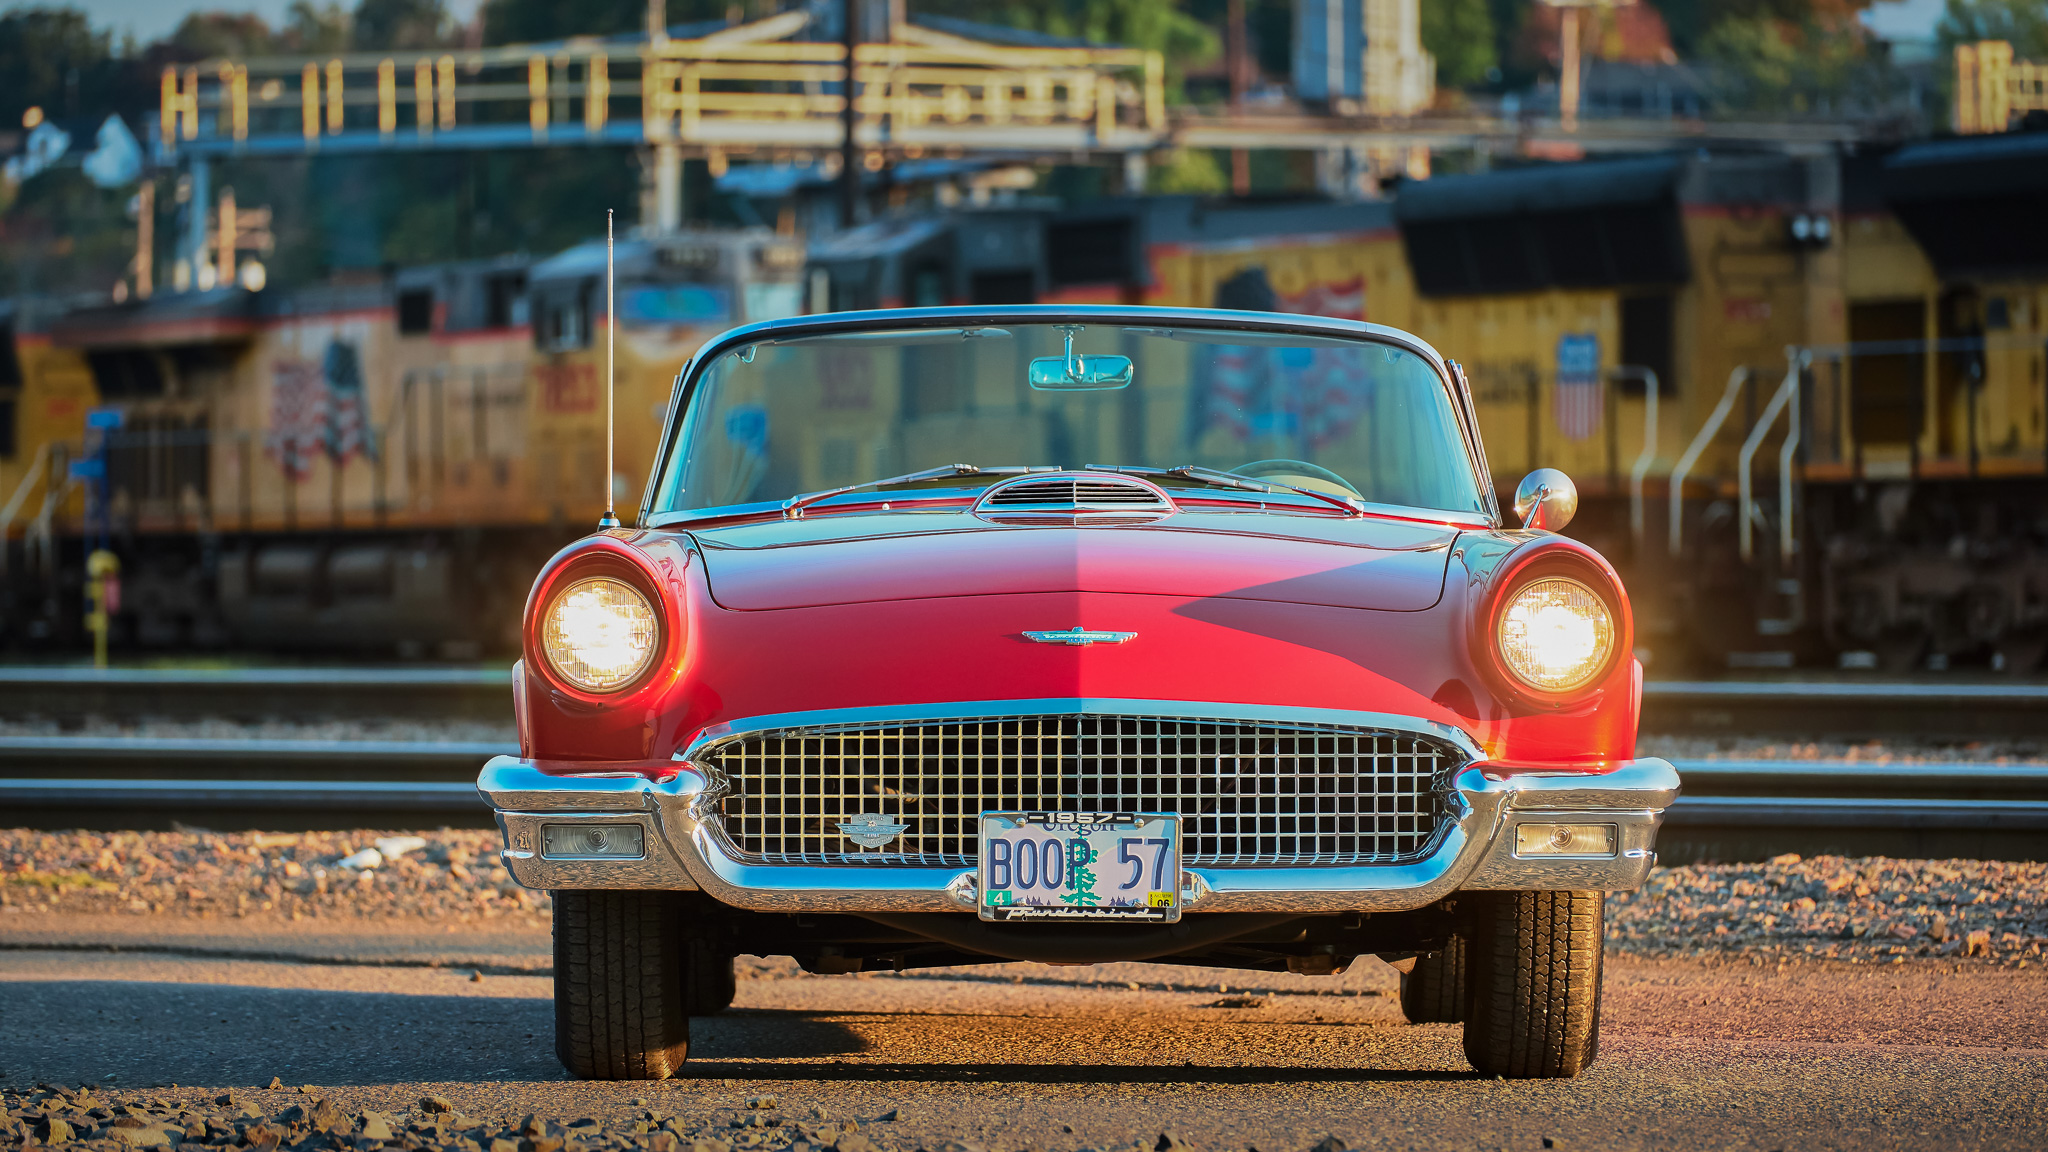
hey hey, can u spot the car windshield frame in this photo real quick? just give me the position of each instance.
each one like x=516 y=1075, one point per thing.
x=906 y=320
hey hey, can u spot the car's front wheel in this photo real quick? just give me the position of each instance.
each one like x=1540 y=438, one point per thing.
x=1433 y=992
x=622 y=985
x=1534 y=971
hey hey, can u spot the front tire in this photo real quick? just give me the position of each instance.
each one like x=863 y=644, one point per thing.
x=1434 y=991
x=1534 y=968
x=621 y=968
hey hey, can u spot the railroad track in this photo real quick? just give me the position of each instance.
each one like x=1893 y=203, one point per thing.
x=1846 y=709
x=1831 y=709
x=1732 y=809
x=71 y=695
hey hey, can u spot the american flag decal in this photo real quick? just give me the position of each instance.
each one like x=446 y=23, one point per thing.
x=319 y=409
x=1579 y=394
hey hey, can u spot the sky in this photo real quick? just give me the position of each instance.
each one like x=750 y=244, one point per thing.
x=149 y=19
x=1903 y=19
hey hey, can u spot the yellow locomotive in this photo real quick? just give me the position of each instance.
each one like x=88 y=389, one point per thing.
x=374 y=465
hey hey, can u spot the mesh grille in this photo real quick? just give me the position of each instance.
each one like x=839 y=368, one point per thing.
x=1247 y=793
x=1071 y=492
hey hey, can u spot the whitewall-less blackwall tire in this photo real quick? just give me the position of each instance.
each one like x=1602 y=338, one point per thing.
x=621 y=979
x=1534 y=972
x=1434 y=992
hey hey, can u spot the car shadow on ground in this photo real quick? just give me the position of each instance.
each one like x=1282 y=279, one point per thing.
x=146 y=1033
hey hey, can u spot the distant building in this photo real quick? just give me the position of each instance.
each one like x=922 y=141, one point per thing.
x=1362 y=57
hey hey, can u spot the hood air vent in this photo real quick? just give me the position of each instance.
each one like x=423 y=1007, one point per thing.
x=1074 y=497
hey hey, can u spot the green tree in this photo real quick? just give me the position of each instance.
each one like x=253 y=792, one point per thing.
x=201 y=35
x=1767 y=63
x=522 y=21
x=2021 y=23
x=310 y=27
x=386 y=25
x=1460 y=34
x=1189 y=170
x=1163 y=25
x=51 y=58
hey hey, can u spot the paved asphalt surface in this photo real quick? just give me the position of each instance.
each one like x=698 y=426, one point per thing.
x=1059 y=1059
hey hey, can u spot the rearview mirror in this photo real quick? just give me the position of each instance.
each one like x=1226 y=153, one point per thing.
x=1072 y=373
x=1081 y=373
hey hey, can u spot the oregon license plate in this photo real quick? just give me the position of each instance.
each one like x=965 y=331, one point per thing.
x=1080 y=866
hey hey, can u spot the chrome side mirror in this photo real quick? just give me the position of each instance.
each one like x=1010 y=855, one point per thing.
x=1546 y=500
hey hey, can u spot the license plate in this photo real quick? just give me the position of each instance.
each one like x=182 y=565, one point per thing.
x=1080 y=866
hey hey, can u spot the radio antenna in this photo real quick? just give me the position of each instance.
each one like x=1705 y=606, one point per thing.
x=611 y=381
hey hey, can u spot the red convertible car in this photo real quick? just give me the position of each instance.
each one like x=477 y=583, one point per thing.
x=1069 y=635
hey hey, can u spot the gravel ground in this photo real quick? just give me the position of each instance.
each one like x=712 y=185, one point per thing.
x=454 y=876
x=1872 y=909
x=1835 y=907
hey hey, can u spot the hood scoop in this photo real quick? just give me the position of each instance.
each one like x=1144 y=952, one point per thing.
x=1073 y=498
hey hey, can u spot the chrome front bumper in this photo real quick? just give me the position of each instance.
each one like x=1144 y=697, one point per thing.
x=685 y=847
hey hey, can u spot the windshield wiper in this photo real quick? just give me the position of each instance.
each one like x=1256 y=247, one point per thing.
x=1218 y=478
x=793 y=508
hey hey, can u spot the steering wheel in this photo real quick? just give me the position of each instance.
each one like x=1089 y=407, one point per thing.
x=1300 y=474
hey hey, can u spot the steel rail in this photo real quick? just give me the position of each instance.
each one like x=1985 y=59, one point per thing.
x=1864 y=803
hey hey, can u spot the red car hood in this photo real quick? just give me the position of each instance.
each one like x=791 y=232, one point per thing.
x=1382 y=564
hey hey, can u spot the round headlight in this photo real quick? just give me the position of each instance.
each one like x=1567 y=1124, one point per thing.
x=600 y=634
x=1556 y=634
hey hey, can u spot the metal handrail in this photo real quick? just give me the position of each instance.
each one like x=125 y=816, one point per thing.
x=1797 y=360
x=1640 y=470
x=1788 y=543
x=1705 y=436
x=28 y=483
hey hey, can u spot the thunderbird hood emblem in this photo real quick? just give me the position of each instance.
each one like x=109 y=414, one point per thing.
x=871 y=829
x=1079 y=637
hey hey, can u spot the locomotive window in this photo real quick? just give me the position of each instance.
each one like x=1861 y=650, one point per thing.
x=415 y=311
x=505 y=301
x=10 y=366
x=1098 y=252
x=8 y=447
x=563 y=323
x=1646 y=341
x=126 y=373
x=1015 y=287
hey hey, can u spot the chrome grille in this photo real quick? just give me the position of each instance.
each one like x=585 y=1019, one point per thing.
x=1247 y=792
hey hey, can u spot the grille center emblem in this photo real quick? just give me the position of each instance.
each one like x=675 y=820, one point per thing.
x=1079 y=637
x=871 y=829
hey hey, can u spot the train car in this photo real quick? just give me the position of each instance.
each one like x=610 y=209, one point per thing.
x=377 y=465
x=1927 y=501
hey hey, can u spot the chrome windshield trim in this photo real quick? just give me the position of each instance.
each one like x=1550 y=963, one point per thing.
x=685 y=384
x=885 y=715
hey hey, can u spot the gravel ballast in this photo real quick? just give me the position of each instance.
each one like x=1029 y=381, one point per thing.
x=453 y=875
x=1825 y=906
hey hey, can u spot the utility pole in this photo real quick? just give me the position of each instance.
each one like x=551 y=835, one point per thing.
x=668 y=151
x=1568 y=69
x=1568 y=65
x=849 y=121
x=145 y=237
x=1236 y=55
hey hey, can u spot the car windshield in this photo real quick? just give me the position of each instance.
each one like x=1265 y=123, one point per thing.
x=798 y=414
